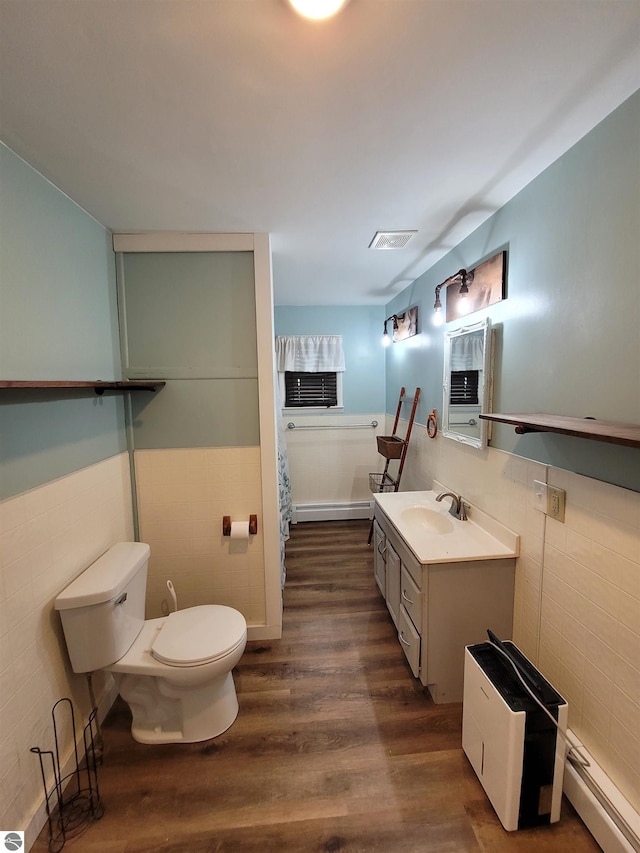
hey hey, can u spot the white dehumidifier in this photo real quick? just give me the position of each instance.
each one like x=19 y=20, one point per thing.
x=512 y=744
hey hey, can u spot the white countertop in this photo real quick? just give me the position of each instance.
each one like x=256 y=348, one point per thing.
x=479 y=538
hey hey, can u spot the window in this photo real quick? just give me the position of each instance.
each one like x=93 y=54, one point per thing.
x=310 y=369
x=310 y=389
x=464 y=387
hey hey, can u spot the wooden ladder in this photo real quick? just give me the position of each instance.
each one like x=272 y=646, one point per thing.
x=394 y=447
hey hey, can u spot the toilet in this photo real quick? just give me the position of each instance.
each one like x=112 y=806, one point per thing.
x=174 y=672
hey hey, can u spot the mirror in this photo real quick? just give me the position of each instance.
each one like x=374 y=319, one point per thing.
x=467 y=383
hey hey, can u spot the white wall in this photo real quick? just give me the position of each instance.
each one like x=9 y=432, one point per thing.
x=48 y=536
x=183 y=495
x=330 y=463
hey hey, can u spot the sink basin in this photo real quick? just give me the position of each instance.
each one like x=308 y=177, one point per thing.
x=427 y=519
x=434 y=536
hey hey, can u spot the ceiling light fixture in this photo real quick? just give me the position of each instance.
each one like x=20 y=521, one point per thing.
x=465 y=279
x=318 y=10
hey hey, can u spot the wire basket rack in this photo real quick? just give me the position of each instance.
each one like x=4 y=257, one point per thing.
x=72 y=800
x=382 y=483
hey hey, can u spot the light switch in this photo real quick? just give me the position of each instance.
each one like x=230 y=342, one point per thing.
x=540 y=496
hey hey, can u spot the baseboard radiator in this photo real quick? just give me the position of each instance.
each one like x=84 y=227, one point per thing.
x=336 y=511
x=610 y=818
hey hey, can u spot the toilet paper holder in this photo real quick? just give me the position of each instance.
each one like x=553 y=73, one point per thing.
x=226 y=525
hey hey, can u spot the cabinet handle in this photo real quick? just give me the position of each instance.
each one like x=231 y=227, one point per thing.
x=406 y=598
x=402 y=639
x=384 y=550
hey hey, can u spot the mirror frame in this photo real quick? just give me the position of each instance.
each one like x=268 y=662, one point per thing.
x=484 y=394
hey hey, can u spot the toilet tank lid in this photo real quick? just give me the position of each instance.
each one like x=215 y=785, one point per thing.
x=105 y=578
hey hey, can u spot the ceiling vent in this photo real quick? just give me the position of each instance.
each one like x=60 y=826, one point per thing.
x=391 y=239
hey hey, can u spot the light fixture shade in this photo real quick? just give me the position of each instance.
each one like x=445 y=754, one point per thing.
x=317 y=10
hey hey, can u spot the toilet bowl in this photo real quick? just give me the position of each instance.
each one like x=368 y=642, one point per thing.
x=176 y=677
x=174 y=672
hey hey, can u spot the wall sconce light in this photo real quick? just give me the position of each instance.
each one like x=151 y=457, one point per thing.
x=464 y=291
x=465 y=278
x=438 y=319
x=386 y=337
x=405 y=326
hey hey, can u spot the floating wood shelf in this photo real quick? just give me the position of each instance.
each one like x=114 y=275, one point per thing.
x=590 y=428
x=98 y=386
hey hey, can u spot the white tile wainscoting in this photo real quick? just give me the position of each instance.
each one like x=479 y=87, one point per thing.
x=577 y=595
x=48 y=536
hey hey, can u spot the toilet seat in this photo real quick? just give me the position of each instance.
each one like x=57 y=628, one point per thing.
x=198 y=635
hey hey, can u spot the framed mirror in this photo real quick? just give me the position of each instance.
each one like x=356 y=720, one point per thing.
x=467 y=383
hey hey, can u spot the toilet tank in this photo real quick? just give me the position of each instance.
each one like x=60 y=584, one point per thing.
x=102 y=610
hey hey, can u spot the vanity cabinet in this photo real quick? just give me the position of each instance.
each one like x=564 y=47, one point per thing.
x=439 y=608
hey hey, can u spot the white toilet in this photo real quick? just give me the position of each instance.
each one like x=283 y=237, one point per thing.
x=173 y=672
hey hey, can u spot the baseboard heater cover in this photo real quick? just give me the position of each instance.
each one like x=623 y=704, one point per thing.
x=513 y=746
x=609 y=817
x=336 y=511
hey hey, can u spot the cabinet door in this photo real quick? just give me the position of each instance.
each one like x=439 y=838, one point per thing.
x=379 y=567
x=393 y=582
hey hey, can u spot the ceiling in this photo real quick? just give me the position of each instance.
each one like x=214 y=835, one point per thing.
x=238 y=115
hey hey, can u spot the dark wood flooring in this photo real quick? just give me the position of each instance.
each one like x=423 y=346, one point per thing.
x=336 y=747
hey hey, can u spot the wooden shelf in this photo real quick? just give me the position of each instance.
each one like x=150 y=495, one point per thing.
x=98 y=386
x=590 y=428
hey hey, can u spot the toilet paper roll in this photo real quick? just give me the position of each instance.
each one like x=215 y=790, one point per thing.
x=239 y=529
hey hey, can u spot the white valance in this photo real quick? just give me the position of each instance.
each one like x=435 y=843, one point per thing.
x=467 y=352
x=309 y=353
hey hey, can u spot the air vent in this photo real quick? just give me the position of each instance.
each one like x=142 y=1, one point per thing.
x=391 y=239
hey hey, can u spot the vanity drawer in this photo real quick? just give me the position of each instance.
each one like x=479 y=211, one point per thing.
x=409 y=640
x=411 y=598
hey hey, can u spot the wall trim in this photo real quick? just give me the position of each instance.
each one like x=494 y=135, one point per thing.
x=182 y=241
x=264 y=632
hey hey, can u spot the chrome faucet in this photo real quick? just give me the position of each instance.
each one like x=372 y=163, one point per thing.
x=458 y=507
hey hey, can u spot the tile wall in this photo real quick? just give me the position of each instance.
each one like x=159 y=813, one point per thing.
x=182 y=496
x=577 y=596
x=48 y=536
x=332 y=465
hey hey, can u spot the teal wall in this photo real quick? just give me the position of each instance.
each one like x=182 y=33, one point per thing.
x=58 y=320
x=190 y=319
x=568 y=339
x=567 y=335
x=363 y=381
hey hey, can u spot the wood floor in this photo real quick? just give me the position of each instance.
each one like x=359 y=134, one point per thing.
x=336 y=747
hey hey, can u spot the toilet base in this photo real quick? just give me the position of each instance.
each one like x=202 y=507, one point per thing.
x=164 y=713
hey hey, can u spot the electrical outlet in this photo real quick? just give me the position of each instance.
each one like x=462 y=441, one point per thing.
x=540 y=496
x=556 y=499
